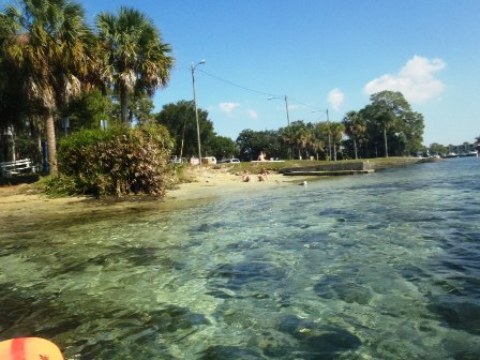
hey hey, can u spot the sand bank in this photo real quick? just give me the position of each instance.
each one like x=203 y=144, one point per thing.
x=20 y=201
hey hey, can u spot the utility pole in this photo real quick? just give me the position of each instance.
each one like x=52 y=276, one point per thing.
x=196 y=111
x=329 y=138
x=286 y=110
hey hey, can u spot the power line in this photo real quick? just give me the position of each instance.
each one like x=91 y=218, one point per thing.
x=261 y=92
x=237 y=85
x=316 y=108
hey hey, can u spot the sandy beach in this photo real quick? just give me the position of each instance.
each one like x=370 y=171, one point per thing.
x=210 y=182
x=22 y=201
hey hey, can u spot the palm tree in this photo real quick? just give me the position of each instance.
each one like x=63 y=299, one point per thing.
x=135 y=58
x=297 y=135
x=289 y=136
x=304 y=138
x=49 y=43
x=324 y=134
x=386 y=119
x=318 y=139
x=337 y=130
x=355 y=127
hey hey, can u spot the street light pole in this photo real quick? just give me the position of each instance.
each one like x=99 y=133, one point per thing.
x=196 y=110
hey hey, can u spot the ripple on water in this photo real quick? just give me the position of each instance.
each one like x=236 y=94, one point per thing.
x=315 y=340
x=219 y=352
x=340 y=288
x=244 y=277
x=457 y=312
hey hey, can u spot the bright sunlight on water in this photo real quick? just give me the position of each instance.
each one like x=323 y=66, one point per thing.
x=379 y=266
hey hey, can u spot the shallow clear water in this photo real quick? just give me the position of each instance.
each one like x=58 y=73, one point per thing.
x=380 y=266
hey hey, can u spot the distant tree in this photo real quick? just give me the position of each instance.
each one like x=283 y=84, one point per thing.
x=391 y=122
x=380 y=119
x=411 y=129
x=436 y=148
x=318 y=140
x=298 y=136
x=337 y=130
x=355 y=129
x=325 y=132
x=179 y=118
x=289 y=138
x=223 y=147
x=477 y=142
x=135 y=57
x=250 y=143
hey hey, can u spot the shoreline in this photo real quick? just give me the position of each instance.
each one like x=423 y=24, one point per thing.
x=25 y=203
x=22 y=203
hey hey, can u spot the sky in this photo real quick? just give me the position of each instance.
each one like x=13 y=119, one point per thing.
x=320 y=55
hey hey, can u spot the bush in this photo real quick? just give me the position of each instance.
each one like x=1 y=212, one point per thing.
x=116 y=161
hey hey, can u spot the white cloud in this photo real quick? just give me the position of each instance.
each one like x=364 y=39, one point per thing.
x=252 y=114
x=228 y=107
x=336 y=98
x=415 y=80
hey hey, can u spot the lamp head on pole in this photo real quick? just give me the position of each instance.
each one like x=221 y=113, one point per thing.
x=199 y=63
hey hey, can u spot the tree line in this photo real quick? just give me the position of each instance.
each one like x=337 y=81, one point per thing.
x=385 y=127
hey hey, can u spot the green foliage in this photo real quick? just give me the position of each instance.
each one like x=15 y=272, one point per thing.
x=297 y=136
x=59 y=186
x=250 y=143
x=86 y=110
x=48 y=42
x=312 y=139
x=437 y=149
x=140 y=109
x=135 y=57
x=179 y=118
x=355 y=128
x=392 y=128
x=223 y=147
x=117 y=161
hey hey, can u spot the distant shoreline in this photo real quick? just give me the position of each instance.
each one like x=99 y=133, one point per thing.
x=21 y=202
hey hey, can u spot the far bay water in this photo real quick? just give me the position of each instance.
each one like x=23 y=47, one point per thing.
x=378 y=266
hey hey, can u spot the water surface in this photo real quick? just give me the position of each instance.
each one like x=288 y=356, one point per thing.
x=380 y=266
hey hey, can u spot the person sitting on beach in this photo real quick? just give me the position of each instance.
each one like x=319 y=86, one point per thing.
x=263 y=175
x=245 y=176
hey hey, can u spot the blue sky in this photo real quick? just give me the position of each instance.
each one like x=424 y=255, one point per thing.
x=321 y=54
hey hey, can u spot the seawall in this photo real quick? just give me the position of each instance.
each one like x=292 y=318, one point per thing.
x=349 y=167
